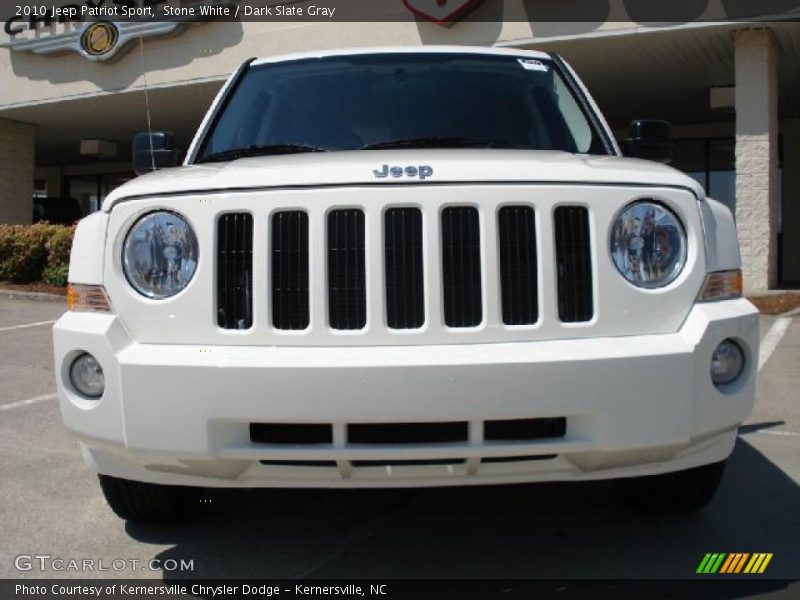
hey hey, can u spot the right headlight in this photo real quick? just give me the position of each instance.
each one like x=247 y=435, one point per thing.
x=159 y=255
x=648 y=244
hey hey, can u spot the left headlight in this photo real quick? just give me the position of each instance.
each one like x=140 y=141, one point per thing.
x=648 y=244
x=159 y=255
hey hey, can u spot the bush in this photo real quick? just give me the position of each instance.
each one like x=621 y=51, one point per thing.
x=59 y=244
x=38 y=252
x=56 y=274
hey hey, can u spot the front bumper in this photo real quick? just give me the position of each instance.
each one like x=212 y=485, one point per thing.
x=181 y=414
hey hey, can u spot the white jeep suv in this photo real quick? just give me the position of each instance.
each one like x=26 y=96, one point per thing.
x=405 y=267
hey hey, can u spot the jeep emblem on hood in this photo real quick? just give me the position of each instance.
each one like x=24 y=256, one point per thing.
x=422 y=171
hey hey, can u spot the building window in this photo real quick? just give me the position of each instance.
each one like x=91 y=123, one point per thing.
x=712 y=163
x=91 y=190
x=39 y=188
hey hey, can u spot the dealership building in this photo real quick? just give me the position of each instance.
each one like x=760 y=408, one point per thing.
x=71 y=100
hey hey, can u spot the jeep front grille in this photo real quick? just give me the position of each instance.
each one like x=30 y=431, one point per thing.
x=405 y=297
x=347 y=295
x=389 y=444
x=574 y=264
x=461 y=266
x=414 y=434
x=407 y=433
x=403 y=269
x=235 y=271
x=518 y=271
x=290 y=270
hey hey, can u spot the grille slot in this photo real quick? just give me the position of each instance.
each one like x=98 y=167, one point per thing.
x=290 y=270
x=405 y=307
x=347 y=303
x=407 y=433
x=518 y=271
x=299 y=463
x=513 y=459
x=513 y=430
x=461 y=266
x=573 y=264
x=408 y=463
x=235 y=271
x=291 y=433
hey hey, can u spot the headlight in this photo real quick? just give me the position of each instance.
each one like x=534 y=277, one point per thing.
x=648 y=245
x=159 y=256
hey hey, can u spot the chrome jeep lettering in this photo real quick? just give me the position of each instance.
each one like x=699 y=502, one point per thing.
x=422 y=171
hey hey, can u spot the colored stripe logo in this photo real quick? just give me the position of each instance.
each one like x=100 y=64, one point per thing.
x=734 y=563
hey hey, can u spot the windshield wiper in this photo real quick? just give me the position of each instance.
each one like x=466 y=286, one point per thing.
x=444 y=142
x=260 y=150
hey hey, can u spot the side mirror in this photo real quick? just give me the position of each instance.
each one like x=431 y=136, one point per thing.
x=650 y=139
x=153 y=151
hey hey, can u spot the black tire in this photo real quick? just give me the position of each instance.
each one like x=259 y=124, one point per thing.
x=682 y=491
x=148 y=502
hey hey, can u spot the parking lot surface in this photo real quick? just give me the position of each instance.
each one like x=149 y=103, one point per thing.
x=50 y=503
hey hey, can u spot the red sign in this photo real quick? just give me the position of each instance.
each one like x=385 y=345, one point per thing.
x=442 y=12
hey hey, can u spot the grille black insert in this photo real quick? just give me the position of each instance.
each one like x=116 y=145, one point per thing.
x=235 y=271
x=347 y=298
x=291 y=433
x=461 y=266
x=573 y=264
x=407 y=433
x=290 y=270
x=298 y=463
x=518 y=272
x=524 y=429
x=403 y=268
x=408 y=463
x=508 y=459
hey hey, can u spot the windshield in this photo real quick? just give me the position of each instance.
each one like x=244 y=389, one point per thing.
x=382 y=101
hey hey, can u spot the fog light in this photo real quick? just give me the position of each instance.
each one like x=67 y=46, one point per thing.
x=727 y=362
x=87 y=377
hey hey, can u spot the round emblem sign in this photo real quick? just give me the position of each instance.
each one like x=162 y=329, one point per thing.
x=99 y=38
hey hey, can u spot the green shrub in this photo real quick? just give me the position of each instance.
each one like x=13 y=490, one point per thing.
x=56 y=274
x=22 y=253
x=59 y=244
x=36 y=252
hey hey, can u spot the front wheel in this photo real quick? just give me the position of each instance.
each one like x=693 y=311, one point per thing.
x=682 y=491
x=148 y=502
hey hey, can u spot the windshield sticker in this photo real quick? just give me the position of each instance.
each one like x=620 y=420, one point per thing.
x=533 y=65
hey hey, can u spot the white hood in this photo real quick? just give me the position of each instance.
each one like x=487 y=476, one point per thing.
x=449 y=166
